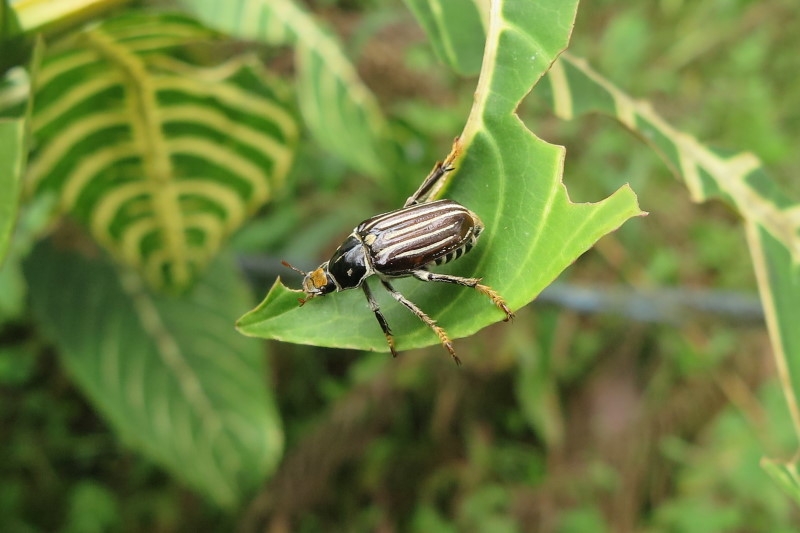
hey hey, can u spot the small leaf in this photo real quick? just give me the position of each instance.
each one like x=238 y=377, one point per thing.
x=537 y=395
x=784 y=474
x=510 y=178
x=159 y=158
x=337 y=107
x=169 y=373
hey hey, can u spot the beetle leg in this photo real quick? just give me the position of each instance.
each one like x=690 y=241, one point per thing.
x=373 y=304
x=475 y=283
x=425 y=318
x=431 y=184
x=438 y=172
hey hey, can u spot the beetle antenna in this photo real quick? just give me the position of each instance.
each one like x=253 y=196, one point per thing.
x=301 y=301
x=284 y=263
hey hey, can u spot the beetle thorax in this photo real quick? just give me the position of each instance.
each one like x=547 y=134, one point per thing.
x=349 y=265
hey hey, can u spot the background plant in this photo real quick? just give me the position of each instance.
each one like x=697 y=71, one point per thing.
x=569 y=418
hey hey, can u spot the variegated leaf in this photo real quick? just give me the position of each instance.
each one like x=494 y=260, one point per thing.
x=160 y=158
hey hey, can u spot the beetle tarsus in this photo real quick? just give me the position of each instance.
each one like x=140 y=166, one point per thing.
x=497 y=299
x=475 y=283
x=449 y=347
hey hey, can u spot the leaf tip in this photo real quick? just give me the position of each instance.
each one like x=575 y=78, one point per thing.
x=279 y=300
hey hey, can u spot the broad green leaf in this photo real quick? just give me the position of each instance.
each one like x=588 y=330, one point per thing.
x=161 y=159
x=771 y=218
x=337 y=107
x=455 y=31
x=509 y=177
x=169 y=373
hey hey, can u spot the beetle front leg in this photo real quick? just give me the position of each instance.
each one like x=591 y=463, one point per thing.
x=475 y=283
x=441 y=333
x=432 y=183
x=438 y=172
x=373 y=304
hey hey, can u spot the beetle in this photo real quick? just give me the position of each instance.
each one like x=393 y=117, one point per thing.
x=405 y=243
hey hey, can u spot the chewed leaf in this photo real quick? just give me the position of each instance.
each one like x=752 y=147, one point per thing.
x=509 y=177
x=159 y=158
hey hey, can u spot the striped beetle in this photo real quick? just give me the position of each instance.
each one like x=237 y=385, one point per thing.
x=403 y=243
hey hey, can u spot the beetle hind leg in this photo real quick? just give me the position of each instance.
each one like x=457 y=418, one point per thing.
x=474 y=283
x=373 y=304
x=431 y=323
x=497 y=299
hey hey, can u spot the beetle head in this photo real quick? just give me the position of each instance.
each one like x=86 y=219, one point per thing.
x=318 y=282
x=315 y=283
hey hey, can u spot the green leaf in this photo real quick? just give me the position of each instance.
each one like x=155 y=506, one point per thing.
x=785 y=474
x=771 y=221
x=19 y=227
x=454 y=29
x=338 y=108
x=13 y=154
x=168 y=373
x=92 y=508
x=161 y=159
x=9 y=22
x=509 y=177
x=13 y=47
x=778 y=279
x=536 y=391
x=48 y=17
